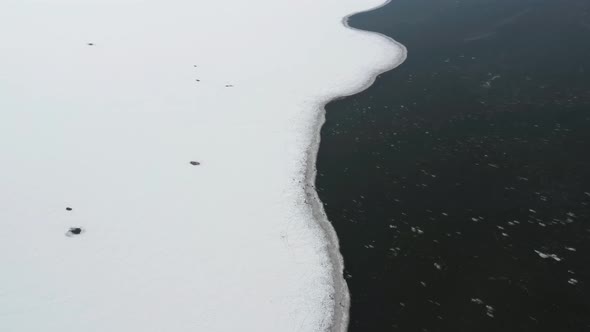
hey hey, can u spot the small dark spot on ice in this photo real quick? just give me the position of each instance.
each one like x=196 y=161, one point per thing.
x=69 y=209
x=74 y=231
x=90 y=44
x=198 y=80
x=195 y=163
x=229 y=86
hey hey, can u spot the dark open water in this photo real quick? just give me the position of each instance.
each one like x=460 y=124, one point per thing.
x=445 y=176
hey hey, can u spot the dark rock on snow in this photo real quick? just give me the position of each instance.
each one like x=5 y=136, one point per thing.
x=75 y=230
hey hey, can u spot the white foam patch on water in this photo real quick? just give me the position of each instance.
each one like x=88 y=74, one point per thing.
x=105 y=104
x=544 y=256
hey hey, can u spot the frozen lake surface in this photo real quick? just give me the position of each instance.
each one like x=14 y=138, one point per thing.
x=157 y=162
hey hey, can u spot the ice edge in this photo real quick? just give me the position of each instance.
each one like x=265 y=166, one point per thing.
x=340 y=313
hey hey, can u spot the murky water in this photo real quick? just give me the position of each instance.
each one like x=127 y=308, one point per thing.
x=459 y=184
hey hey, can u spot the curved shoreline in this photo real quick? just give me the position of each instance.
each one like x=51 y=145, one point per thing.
x=341 y=296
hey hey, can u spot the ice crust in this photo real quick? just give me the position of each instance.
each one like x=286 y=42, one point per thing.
x=104 y=104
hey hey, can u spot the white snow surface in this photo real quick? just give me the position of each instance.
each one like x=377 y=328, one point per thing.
x=109 y=129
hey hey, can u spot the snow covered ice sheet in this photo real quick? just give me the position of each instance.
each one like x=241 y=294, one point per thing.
x=179 y=134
